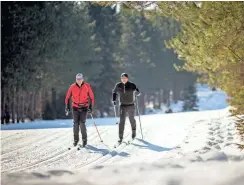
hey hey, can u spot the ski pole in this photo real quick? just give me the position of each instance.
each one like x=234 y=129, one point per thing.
x=96 y=127
x=115 y=114
x=139 y=116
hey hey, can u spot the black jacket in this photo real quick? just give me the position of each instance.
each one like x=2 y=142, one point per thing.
x=126 y=92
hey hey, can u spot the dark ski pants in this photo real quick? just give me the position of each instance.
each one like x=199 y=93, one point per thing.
x=130 y=109
x=79 y=117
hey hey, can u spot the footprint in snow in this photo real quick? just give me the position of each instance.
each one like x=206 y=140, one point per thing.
x=211 y=128
x=228 y=144
x=230 y=138
x=210 y=133
x=211 y=138
x=217 y=147
x=230 y=134
x=232 y=129
x=219 y=141
x=221 y=137
x=204 y=150
x=209 y=143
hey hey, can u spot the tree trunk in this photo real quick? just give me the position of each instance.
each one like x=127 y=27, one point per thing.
x=176 y=94
x=44 y=102
x=176 y=91
x=28 y=105
x=42 y=105
x=147 y=98
x=143 y=106
x=166 y=96
x=161 y=97
x=32 y=110
x=154 y=100
x=17 y=106
x=7 y=107
x=38 y=105
x=13 y=106
x=3 y=106
x=22 y=107
x=54 y=110
x=102 y=111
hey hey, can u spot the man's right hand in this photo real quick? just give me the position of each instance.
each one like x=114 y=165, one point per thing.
x=114 y=103
x=67 y=109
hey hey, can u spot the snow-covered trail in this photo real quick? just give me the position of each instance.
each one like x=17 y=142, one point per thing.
x=44 y=149
x=178 y=145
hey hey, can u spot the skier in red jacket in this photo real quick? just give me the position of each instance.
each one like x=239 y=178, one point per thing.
x=82 y=102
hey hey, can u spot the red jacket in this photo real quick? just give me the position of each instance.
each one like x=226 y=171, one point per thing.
x=80 y=94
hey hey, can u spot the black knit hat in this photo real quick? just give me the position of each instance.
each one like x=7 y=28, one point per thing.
x=124 y=75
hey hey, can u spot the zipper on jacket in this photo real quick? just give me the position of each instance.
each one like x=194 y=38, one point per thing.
x=124 y=88
x=79 y=94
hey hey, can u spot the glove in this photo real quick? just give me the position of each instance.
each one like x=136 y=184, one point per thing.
x=114 y=103
x=138 y=94
x=89 y=110
x=67 y=109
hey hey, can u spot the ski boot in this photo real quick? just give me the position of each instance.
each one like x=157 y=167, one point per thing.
x=84 y=142
x=75 y=143
x=133 y=134
x=120 y=140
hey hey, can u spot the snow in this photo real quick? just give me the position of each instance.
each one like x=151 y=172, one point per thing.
x=210 y=100
x=177 y=149
x=207 y=100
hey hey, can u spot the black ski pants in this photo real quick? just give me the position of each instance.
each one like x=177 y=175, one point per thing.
x=130 y=109
x=79 y=117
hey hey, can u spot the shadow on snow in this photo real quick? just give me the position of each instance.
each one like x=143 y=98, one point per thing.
x=150 y=146
x=106 y=151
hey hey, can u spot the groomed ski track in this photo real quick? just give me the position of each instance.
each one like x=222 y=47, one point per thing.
x=44 y=149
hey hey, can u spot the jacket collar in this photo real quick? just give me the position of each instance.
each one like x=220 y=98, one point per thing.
x=126 y=83
x=78 y=84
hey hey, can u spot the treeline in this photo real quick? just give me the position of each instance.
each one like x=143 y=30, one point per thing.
x=44 y=44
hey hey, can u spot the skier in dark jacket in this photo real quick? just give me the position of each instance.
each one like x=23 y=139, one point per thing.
x=126 y=90
x=82 y=102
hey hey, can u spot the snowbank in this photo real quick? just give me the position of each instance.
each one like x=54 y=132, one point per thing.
x=210 y=173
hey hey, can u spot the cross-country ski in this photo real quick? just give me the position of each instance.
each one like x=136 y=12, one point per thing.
x=123 y=142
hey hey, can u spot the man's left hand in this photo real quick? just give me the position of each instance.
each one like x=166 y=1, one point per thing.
x=89 y=109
